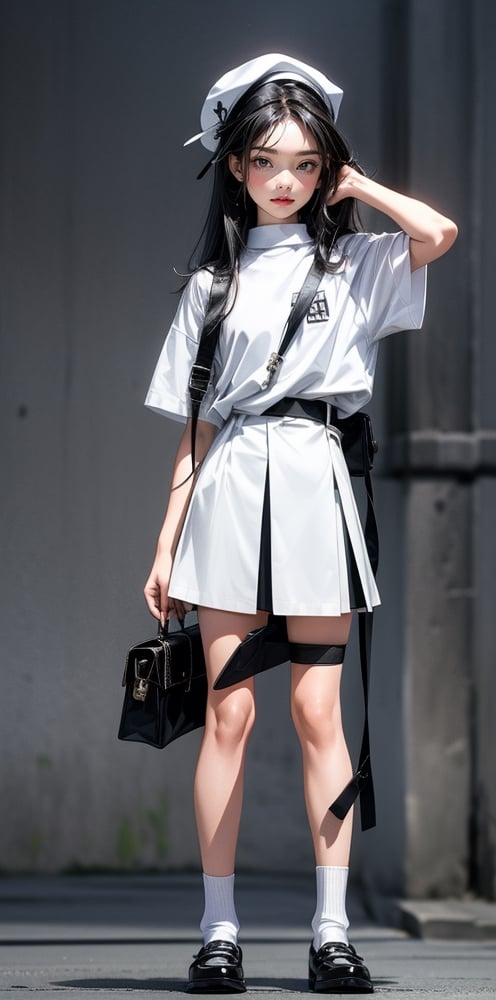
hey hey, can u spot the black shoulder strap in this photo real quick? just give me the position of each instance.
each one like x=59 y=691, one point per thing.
x=301 y=305
x=202 y=368
x=299 y=310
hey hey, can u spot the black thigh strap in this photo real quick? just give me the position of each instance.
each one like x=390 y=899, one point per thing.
x=313 y=653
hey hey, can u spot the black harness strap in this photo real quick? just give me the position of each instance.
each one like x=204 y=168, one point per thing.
x=202 y=368
x=315 y=653
x=298 y=312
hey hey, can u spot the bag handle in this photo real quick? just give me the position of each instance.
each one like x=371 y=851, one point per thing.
x=163 y=630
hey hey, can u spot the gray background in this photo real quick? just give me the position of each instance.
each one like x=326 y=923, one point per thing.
x=98 y=204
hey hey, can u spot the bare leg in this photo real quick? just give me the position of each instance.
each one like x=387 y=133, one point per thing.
x=229 y=721
x=316 y=710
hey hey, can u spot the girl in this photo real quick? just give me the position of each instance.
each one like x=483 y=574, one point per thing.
x=268 y=522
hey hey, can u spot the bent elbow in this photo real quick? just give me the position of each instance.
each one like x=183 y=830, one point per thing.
x=442 y=235
x=447 y=235
x=442 y=239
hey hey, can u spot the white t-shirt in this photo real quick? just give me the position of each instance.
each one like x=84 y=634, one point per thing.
x=333 y=355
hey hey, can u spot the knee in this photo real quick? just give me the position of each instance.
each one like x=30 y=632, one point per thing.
x=232 y=719
x=316 y=722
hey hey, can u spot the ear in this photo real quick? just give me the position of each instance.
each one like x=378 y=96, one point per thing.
x=235 y=167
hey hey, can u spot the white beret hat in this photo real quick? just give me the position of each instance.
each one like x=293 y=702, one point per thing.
x=224 y=94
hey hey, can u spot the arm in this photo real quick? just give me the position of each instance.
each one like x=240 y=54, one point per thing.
x=159 y=603
x=431 y=234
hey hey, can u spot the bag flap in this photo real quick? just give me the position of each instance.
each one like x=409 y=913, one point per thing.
x=167 y=660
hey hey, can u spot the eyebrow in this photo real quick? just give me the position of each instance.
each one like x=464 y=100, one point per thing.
x=275 y=152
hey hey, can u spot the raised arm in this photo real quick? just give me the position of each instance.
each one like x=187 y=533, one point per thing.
x=159 y=603
x=431 y=234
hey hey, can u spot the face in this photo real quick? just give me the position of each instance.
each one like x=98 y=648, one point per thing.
x=283 y=172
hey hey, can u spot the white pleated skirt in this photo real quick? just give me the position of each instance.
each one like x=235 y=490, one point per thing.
x=295 y=467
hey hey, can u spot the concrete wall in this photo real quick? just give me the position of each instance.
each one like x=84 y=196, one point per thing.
x=98 y=204
x=483 y=682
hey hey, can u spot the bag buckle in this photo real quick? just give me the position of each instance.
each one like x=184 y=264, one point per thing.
x=272 y=365
x=141 y=684
x=198 y=382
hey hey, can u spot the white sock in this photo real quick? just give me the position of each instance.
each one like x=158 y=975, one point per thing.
x=219 y=921
x=330 y=922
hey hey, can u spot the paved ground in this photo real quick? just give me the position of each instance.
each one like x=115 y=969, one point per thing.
x=101 y=936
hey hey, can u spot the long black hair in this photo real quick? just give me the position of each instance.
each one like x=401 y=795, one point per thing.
x=232 y=212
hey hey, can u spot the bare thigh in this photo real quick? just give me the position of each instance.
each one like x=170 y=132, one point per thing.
x=333 y=631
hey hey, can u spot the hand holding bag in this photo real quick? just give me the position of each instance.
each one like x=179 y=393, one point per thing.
x=166 y=687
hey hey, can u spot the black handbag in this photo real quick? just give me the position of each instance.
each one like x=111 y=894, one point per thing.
x=166 y=687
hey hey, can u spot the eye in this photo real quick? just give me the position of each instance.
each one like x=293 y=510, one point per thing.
x=308 y=166
x=261 y=162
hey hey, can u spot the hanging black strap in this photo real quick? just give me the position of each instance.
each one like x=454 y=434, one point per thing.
x=362 y=783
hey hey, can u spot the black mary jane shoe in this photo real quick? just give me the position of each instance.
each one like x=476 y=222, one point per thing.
x=217 y=969
x=336 y=968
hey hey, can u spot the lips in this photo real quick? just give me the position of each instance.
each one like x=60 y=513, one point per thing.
x=282 y=201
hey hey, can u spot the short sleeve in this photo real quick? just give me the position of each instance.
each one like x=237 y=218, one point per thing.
x=391 y=297
x=168 y=392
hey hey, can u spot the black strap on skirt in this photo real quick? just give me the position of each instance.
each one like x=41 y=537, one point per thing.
x=362 y=783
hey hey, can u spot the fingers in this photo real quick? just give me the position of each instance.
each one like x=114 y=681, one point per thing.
x=157 y=599
x=152 y=598
x=160 y=605
x=354 y=164
x=156 y=590
x=345 y=182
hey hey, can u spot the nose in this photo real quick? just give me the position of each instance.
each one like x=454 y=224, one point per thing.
x=284 y=181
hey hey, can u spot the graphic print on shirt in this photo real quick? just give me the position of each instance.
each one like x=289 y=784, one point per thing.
x=319 y=310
